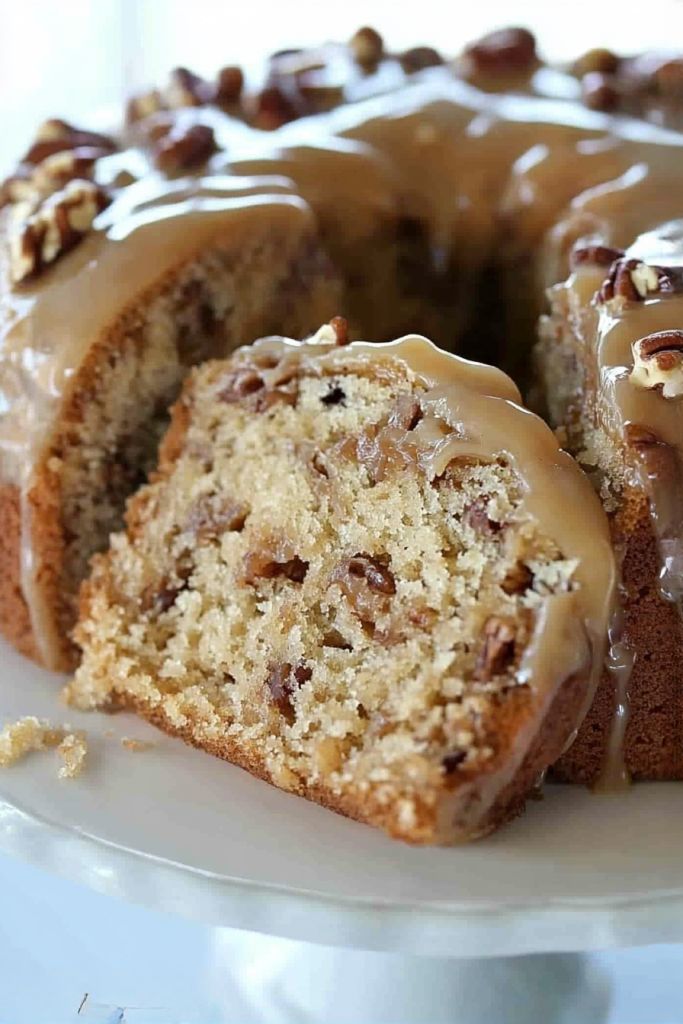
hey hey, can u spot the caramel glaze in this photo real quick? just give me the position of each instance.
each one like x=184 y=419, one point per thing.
x=484 y=172
x=470 y=410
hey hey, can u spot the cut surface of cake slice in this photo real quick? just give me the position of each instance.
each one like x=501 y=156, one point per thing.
x=365 y=574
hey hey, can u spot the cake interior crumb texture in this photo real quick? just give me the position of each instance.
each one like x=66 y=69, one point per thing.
x=296 y=595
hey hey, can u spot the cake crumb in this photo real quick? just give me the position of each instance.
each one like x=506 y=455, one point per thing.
x=72 y=750
x=29 y=734
x=136 y=745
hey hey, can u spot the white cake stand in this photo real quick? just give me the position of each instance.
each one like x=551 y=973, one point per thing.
x=179 y=831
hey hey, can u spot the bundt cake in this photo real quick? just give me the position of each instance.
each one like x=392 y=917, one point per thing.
x=363 y=573
x=410 y=193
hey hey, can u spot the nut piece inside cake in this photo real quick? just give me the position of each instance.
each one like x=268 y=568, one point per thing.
x=321 y=586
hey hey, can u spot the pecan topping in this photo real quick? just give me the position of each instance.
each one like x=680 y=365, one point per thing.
x=418 y=58
x=497 y=650
x=263 y=565
x=367 y=583
x=55 y=135
x=668 y=77
x=658 y=362
x=183 y=148
x=504 y=51
x=229 y=85
x=186 y=89
x=597 y=60
x=634 y=280
x=594 y=255
x=340 y=326
x=599 y=92
x=367 y=46
x=283 y=681
x=212 y=515
x=273 y=108
x=144 y=105
x=55 y=227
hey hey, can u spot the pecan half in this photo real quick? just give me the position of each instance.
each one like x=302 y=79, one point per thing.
x=504 y=51
x=418 y=58
x=184 y=147
x=367 y=46
x=283 y=681
x=658 y=362
x=55 y=227
x=633 y=280
x=367 y=583
x=497 y=650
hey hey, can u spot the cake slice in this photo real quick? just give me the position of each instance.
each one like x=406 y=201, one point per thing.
x=363 y=573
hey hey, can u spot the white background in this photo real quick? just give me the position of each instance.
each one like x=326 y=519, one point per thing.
x=58 y=941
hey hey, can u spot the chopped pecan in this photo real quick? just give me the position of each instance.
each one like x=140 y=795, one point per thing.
x=367 y=583
x=451 y=762
x=418 y=58
x=476 y=515
x=264 y=565
x=594 y=255
x=658 y=362
x=214 y=514
x=184 y=147
x=246 y=384
x=518 y=579
x=598 y=60
x=497 y=650
x=333 y=638
x=367 y=46
x=504 y=51
x=56 y=226
x=283 y=681
x=599 y=92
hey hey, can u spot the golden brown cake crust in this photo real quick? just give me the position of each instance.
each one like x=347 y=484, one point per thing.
x=14 y=614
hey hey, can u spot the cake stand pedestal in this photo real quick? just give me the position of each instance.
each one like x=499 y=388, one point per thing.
x=176 y=830
x=279 y=981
